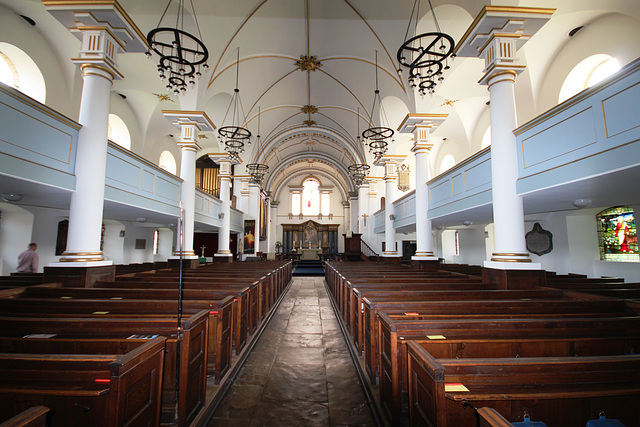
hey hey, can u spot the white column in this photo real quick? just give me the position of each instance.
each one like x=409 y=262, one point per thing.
x=254 y=201
x=508 y=212
x=353 y=211
x=188 y=195
x=224 y=233
x=190 y=124
x=273 y=225
x=105 y=31
x=269 y=243
x=346 y=214
x=85 y=211
x=496 y=35
x=389 y=217
x=421 y=125
x=363 y=209
x=225 y=230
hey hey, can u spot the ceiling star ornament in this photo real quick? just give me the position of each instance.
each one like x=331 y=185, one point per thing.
x=309 y=122
x=163 y=97
x=425 y=55
x=449 y=102
x=376 y=136
x=309 y=109
x=308 y=63
x=181 y=53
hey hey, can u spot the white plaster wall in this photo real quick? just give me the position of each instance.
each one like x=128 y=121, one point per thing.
x=472 y=245
x=165 y=244
x=132 y=255
x=45 y=233
x=113 y=248
x=16 y=226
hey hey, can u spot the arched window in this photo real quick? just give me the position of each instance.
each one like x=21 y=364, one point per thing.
x=617 y=236
x=118 y=132
x=587 y=73
x=447 y=163
x=311 y=197
x=167 y=162
x=295 y=203
x=19 y=71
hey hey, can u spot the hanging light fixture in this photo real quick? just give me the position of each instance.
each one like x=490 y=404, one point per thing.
x=235 y=135
x=181 y=53
x=376 y=136
x=426 y=55
x=257 y=170
x=358 y=171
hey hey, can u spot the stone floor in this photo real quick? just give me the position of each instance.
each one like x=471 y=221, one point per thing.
x=300 y=372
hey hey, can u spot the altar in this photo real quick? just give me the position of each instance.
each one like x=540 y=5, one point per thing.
x=310 y=254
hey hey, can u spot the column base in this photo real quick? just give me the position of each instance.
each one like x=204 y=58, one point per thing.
x=521 y=277
x=79 y=276
x=223 y=257
x=425 y=263
x=391 y=259
x=187 y=262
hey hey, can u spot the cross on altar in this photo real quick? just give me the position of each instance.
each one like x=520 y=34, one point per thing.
x=365 y=219
x=202 y=250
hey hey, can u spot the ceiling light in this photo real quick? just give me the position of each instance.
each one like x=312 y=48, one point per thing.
x=582 y=203
x=11 y=197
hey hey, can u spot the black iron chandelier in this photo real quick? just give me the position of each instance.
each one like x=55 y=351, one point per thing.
x=257 y=170
x=358 y=171
x=181 y=53
x=376 y=136
x=425 y=55
x=235 y=134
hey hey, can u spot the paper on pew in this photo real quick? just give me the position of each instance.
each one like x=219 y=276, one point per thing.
x=141 y=337
x=449 y=387
x=436 y=337
x=39 y=336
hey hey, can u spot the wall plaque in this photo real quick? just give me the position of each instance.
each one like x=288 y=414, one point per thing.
x=539 y=241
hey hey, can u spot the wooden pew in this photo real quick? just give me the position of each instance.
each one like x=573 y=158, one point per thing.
x=240 y=326
x=192 y=340
x=36 y=416
x=489 y=417
x=86 y=389
x=393 y=335
x=219 y=318
x=564 y=391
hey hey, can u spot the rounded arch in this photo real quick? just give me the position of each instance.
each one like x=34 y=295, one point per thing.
x=168 y=162
x=118 y=132
x=19 y=71
x=587 y=73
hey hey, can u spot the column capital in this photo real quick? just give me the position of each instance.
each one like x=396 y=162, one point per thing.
x=189 y=123
x=497 y=33
x=104 y=28
x=390 y=162
x=225 y=163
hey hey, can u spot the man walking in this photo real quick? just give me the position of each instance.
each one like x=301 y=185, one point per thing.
x=28 y=260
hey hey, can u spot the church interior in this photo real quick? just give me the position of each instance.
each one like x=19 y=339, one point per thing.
x=439 y=162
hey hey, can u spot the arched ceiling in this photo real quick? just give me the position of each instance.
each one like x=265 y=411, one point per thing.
x=309 y=107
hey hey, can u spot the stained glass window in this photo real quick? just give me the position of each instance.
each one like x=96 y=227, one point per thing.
x=617 y=236
x=311 y=197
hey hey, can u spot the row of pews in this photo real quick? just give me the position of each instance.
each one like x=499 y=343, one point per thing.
x=119 y=354
x=438 y=344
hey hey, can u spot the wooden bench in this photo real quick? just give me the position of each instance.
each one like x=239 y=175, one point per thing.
x=563 y=391
x=86 y=389
x=393 y=335
x=219 y=329
x=240 y=325
x=36 y=416
x=192 y=342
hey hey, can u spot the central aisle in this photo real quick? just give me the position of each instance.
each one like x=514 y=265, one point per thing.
x=300 y=372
